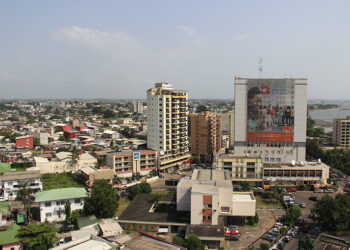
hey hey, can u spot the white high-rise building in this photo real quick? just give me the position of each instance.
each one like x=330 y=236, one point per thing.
x=270 y=119
x=167 y=125
x=137 y=107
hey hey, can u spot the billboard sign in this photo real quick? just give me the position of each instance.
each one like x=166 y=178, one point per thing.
x=136 y=156
x=270 y=111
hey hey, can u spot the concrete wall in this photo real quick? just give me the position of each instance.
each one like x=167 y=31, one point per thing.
x=183 y=198
x=54 y=209
x=244 y=208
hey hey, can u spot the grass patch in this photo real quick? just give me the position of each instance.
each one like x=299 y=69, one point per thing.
x=123 y=204
x=267 y=203
x=64 y=180
x=162 y=192
x=255 y=225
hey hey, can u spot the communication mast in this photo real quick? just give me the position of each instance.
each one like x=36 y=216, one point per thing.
x=261 y=62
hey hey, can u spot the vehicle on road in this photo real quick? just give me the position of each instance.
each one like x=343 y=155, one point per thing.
x=302 y=205
x=292 y=189
x=281 y=245
x=287 y=238
x=319 y=191
x=269 y=237
x=329 y=190
x=313 y=198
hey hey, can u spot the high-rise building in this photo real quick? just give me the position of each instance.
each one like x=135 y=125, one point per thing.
x=137 y=107
x=341 y=133
x=205 y=135
x=270 y=118
x=228 y=127
x=167 y=125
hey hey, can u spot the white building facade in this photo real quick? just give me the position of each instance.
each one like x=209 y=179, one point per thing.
x=52 y=202
x=167 y=125
x=270 y=118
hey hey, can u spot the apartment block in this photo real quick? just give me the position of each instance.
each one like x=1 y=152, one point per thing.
x=24 y=142
x=128 y=162
x=341 y=133
x=10 y=183
x=167 y=125
x=137 y=107
x=205 y=135
x=242 y=168
x=228 y=128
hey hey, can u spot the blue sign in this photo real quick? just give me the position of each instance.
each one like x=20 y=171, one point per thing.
x=137 y=156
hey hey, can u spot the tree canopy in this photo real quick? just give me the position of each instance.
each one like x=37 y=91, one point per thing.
x=38 y=236
x=305 y=244
x=192 y=242
x=292 y=214
x=103 y=201
x=333 y=213
x=140 y=188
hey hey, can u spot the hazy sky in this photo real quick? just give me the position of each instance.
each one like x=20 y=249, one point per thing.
x=118 y=49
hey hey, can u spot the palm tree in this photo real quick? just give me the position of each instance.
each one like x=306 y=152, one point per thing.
x=24 y=193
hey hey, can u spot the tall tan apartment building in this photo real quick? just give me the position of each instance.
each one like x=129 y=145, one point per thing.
x=167 y=125
x=205 y=135
x=227 y=128
x=341 y=133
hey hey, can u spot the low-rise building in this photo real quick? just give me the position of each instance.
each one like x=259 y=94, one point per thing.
x=92 y=174
x=129 y=162
x=10 y=183
x=110 y=134
x=309 y=173
x=42 y=137
x=52 y=202
x=211 y=192
x=242 y=167
x=24 y=142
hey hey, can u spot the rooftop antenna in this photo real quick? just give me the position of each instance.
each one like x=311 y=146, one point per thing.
x=261 y=62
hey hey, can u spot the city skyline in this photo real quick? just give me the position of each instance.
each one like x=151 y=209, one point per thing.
x=119 y=50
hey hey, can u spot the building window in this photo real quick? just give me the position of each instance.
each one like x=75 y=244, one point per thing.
x=227 y=164
x=47 y=204
x=48 y=214
x=58 y=203
x=76 y=201
x=63 y=202
x=225 y=209
x=267 y=159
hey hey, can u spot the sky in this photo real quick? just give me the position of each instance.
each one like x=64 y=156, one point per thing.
x=119 y=49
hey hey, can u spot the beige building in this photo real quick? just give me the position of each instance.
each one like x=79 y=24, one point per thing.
x=341 y=133
x=228 y=128
x=128 y=162
x=167 y=125
x=242 y=168
x=309 y=173
x=208 y=196
x=205 y=135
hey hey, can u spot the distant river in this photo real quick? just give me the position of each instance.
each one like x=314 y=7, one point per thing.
x=329 y=114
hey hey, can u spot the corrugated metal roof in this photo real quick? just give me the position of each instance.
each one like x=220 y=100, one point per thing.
x=60 y=194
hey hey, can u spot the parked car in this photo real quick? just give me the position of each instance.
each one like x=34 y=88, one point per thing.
x=302 y=205
x=231 y=228
x=278 y=225
x=3 y=199
x=313 y=198
x=231 y=237
x=258 y=188
x=292 y=233
x=292 y=189
x=274 y=231
x=319 y=191
x=287 y=238
x=269 y=237
x=281 y=245
x=329 y=190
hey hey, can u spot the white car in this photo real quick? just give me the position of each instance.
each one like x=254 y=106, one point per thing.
x=319 y=191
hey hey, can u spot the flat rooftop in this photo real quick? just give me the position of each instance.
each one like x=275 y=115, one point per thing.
x=305 y=165
x=204 y=231
x=242 y=197
x=211 y=175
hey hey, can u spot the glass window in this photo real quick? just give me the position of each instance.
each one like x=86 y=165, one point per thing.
x=63 y=202
x=77 y=201
x=47 y=204
x=48 y=215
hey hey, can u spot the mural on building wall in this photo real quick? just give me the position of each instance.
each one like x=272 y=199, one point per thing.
x=270 y=110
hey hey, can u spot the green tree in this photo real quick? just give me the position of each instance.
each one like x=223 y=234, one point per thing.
x=292 y=214
x=24 y=193
x=305 y=244
x=179 y=241
x=68 y=211
x=201 y=108
x=333 y=213
x=264 y=246
x=245 y=186
x=38 y=236
x=140 y=188
x=103 y=201
x=192 y=242
x=283 y=230
x=36 y=142
x=62 y=138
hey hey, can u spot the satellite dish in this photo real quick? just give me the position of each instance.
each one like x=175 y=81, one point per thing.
x=293 y=162
x=161 y=152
